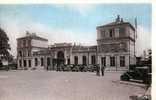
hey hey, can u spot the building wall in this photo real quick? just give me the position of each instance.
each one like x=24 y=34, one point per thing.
x=39 y=43
x=27 y=46
x=80 y=57
x=118 y=45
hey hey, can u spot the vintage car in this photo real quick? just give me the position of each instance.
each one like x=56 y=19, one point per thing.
x=138 y=74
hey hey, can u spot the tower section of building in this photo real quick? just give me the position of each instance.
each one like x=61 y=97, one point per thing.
x=116 y=45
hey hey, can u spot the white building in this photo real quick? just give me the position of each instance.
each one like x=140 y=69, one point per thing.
x=26 y=46
x=115 y=49
x=116 y=44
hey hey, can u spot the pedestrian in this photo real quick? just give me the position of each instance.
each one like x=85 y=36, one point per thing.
x=102 y=70
x=98 y=70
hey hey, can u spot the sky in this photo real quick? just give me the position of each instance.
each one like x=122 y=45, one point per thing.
x=74 y=23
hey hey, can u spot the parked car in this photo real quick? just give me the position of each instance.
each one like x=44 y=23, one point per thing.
x=3 y=66
x=13 y=66
x=138 y=73
x=74 y=68
x=92 y=68
x=66 y=68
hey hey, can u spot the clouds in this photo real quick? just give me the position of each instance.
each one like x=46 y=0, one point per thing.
x=68 y=22
x=16 y=29
x=82 y=9
x=143 y=40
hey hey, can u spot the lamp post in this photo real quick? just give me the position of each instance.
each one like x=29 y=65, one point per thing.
x=116 y=62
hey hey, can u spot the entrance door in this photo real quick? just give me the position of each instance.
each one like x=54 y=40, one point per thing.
x=60 y=59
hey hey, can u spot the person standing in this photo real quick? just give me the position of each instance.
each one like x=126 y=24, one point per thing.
x=98 y=70
x=102 y=70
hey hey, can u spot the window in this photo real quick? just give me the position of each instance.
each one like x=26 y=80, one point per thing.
x=25 y=63
x=122 y=61
x=111 y=31
x=48 y=61
x=42 y=63
x=84 y=60
x=36 y=61
x=93 y=60
x=122 y=32
x=68 y=61
x=75 y=60
x=29 y=53
x=29 y=63
x=102 y=33
x=20 y=63
x=117 y=32
x=24 y=43
x=103 y=61
x=24 y=53
x=112 y=61
x=20 y=53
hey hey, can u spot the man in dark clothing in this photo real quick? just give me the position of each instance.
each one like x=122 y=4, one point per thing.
x=102 y=70
x=98 y=70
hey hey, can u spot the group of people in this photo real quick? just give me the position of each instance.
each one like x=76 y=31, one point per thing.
x=98 y=70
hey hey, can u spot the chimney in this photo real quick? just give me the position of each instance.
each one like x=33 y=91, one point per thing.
x=118 y=18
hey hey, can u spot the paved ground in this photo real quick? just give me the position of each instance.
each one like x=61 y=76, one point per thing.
x=43 y=85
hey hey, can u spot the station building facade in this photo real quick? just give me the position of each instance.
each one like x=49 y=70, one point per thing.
x=115 y=49
x=116 y=44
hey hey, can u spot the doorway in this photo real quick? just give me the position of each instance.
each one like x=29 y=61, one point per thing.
x=60 y=58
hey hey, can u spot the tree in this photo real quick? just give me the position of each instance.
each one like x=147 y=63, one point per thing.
x=4 y=45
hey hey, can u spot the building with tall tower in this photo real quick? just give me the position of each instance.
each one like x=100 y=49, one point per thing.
x=116 y=44
x=115 y=49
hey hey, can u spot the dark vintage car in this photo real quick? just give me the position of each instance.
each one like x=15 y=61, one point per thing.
x=92 y=68
x=140 y=74
x=67 y=68
x=3 y=67
x=75 y=68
